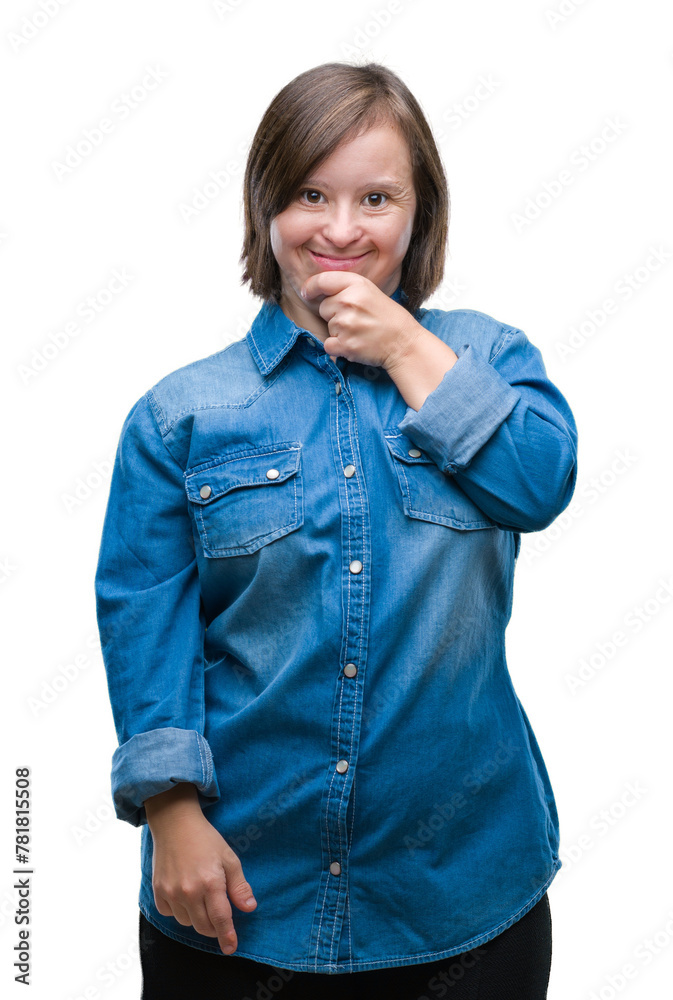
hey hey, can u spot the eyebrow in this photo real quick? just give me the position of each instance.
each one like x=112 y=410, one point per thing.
x=381 y=182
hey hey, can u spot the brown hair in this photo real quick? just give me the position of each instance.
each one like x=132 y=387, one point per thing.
x=302 y=126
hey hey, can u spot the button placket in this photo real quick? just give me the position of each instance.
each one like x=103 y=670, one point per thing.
x=330 y=911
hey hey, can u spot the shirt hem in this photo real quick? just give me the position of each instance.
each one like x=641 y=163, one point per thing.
x=366 y=965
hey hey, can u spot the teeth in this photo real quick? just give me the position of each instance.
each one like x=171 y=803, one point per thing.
x=325 y=257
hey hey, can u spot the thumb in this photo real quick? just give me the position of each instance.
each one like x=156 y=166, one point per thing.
x=239 y=891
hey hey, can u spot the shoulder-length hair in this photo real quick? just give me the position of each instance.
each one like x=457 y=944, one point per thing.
x=302 y=126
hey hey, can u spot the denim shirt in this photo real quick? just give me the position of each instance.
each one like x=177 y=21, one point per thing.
x=302 y=592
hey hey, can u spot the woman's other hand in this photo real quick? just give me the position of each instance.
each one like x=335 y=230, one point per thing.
x=194 y=871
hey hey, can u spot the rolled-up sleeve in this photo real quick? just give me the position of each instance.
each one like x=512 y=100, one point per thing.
x=151 y=624
x=504 y=431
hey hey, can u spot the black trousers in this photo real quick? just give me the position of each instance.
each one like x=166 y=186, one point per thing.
x=514 y=965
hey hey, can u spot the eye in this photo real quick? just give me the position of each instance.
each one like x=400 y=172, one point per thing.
x=309 y=192
x=376 y=194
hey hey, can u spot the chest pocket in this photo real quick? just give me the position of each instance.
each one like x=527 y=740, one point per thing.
x=429 y=495
x=247 y=498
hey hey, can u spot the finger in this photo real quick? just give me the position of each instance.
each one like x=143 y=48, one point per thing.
x=163 y=904
x=218 y=911
x=239 y=890
x=327 y=283
x=200 y=919
x=331 y=345
x=181 y=913
x=329 y=307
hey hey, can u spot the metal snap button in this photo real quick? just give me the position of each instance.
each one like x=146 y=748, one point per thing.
x=205 y=492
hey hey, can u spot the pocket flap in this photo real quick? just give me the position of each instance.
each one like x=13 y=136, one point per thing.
x=429 y=494
x=404 y=448
x=261 y=467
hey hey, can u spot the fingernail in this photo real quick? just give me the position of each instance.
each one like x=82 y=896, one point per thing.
x=250 y=901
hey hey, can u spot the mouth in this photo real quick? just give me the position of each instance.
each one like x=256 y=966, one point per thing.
x=337 y=263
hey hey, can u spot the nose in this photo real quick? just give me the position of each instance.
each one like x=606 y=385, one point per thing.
x=341 y=226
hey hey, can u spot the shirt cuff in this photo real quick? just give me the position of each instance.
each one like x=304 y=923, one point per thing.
x=152 y=762
x=462 y=413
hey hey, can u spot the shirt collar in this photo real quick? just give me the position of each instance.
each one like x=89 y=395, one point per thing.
x=272 y=333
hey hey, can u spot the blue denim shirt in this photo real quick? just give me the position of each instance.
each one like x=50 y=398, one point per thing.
x=302 y=592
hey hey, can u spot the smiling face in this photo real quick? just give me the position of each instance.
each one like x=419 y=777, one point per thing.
x=354 y=212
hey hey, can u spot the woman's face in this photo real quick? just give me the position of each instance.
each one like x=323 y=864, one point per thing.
x=355 y=212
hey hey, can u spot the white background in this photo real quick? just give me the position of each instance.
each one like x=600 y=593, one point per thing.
x=513 y=91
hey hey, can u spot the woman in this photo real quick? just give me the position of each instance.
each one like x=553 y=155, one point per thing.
x=303 y=586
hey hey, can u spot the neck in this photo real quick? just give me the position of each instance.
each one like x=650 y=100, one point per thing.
x=300 y=313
